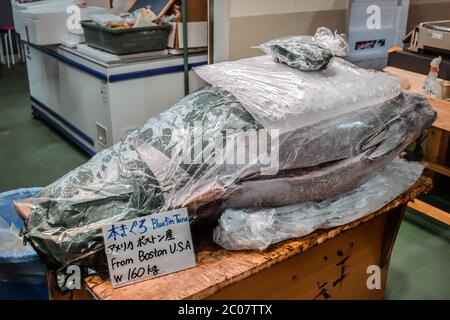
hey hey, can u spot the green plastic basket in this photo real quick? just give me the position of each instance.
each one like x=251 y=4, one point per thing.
x=126 y=41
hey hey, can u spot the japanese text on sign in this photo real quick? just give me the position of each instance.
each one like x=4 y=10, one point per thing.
x=148 y=247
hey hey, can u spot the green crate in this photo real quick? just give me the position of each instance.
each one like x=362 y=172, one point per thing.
x=126 y=41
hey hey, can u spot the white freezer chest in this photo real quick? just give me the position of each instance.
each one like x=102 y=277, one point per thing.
x=45 y=22
x=96 y=104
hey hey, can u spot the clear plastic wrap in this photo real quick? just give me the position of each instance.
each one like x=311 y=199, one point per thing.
x=335 y=42
x=307 y=53
x=145 y=174
x=142 y=174
x=334 y=130
x=257 y=228
x=281 y=97
x=11 y=242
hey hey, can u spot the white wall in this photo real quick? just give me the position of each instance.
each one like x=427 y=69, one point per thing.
x=240 y=24
x=246 y=8
x=98 y=3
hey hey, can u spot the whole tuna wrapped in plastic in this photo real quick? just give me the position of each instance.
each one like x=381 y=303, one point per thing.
x=326 y=133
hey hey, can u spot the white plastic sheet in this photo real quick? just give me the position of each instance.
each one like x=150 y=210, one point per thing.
x=257 y=228
x=10 y=241
x=338 y=128
x=284 y=98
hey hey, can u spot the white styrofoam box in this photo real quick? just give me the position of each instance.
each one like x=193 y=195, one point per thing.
x=197 y=35
x=45 y=24
x=27 y=5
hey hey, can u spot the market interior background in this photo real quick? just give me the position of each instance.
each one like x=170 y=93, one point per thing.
x=33 y=154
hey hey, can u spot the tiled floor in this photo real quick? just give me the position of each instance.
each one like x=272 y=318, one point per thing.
x=420 y=262
x=32 y=154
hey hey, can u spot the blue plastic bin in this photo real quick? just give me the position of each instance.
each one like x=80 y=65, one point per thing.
x=22 y=275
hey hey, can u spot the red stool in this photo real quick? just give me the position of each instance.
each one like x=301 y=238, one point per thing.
x=9 y=44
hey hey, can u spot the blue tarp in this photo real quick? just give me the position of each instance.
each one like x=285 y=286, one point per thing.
x=22 y=275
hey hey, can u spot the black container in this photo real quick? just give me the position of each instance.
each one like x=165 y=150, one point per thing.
x=126 y=41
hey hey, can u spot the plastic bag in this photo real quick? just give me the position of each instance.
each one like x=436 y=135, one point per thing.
x=334 y=42
x=257 y=228
x=280 y=97
x=144 y=17
x=104 y=19
x=307 y=53
x=10 y=241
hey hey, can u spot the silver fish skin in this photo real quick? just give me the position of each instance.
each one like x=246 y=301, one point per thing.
x=333 y=178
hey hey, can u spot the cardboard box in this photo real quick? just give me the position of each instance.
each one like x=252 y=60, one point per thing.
x=197 y=10
x=197 y=35
x=197 y=17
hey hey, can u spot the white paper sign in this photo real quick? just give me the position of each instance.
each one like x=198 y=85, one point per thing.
x=148 y=247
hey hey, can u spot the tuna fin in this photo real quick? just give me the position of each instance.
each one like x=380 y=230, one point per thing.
x=385 y=140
